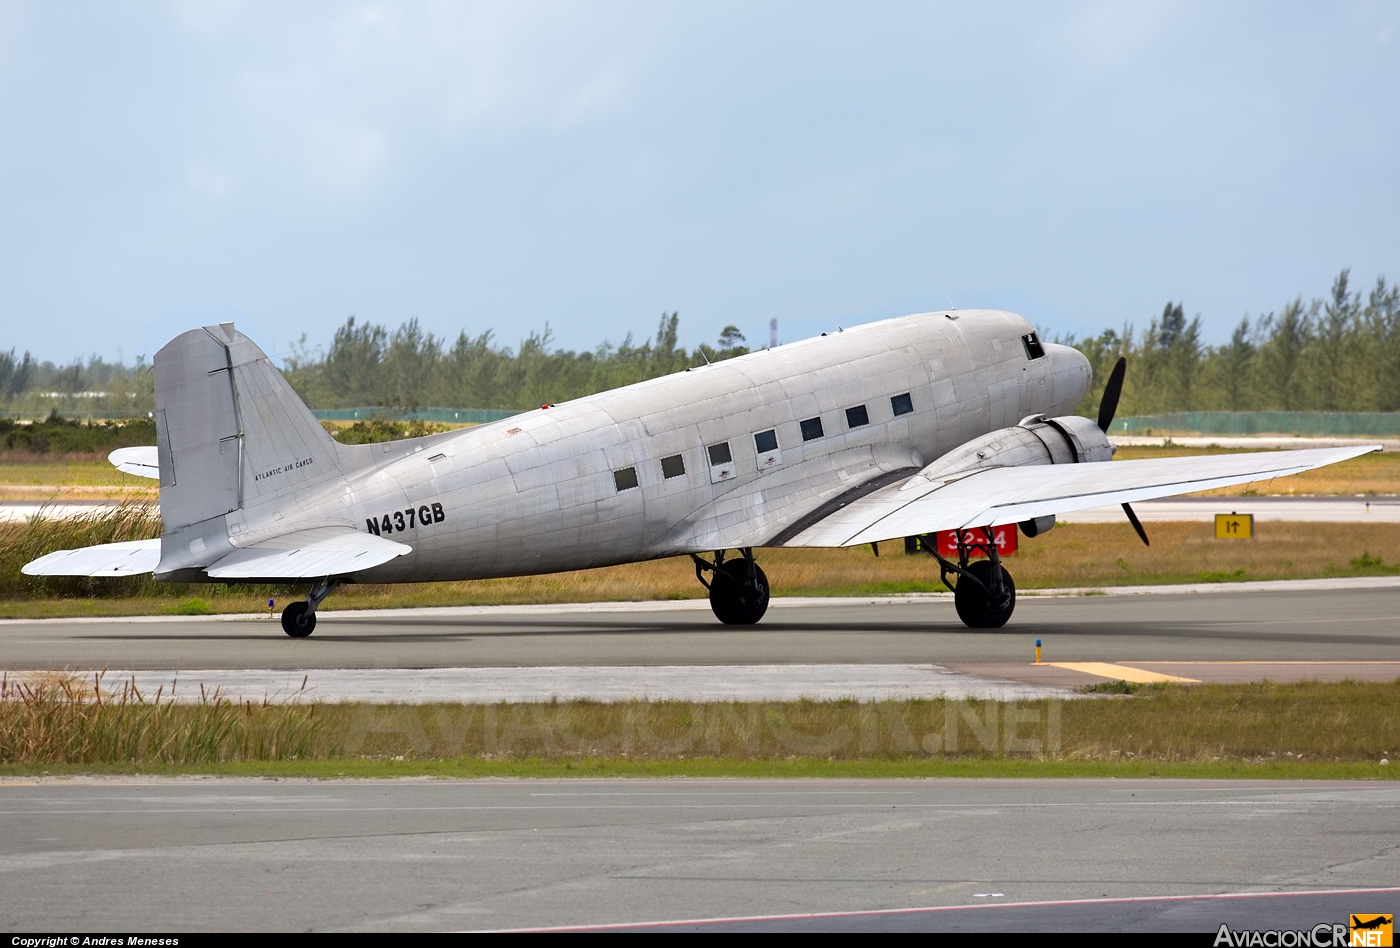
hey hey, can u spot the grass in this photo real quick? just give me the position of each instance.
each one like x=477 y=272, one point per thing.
x=1071 y=555
x=42 y=477
x=1374 y=474
x=1261 y=729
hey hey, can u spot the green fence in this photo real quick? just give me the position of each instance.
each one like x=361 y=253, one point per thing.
x=461 y=416
x=1326 y=423
x=76 y=414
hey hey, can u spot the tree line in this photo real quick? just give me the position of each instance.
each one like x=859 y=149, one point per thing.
x=1340 y=352
x=1337 y=353
x=408 y=368
x=31 y=387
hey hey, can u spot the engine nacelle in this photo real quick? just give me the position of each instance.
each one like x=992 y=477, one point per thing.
x=1069 y=439
x=1036 y=440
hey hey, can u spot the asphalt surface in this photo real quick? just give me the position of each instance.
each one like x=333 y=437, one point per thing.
x=1311 y=626
x=121 y=855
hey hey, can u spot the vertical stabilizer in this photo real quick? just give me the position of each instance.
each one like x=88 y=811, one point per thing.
x=231 y=432
x=197 y=433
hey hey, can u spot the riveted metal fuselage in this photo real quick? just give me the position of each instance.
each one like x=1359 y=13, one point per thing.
x=541 y=491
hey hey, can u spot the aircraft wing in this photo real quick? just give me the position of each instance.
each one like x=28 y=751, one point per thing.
x=308 y=554
x=141 y=461
x=1013 y=494
x=109 y=559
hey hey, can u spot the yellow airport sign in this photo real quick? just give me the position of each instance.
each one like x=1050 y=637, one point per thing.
x=1233 y=526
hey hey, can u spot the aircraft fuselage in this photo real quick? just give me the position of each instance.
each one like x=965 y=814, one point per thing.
x=720 y=456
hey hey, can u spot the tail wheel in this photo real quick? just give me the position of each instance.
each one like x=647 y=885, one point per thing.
x=734 y=599
x=975 y=606
x=298 y=621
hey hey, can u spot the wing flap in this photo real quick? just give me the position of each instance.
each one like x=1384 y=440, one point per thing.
x=142 y=461
x=130 y=558
x=308 y=554
x=1012 y=494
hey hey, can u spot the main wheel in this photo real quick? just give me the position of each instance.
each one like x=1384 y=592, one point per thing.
x=297 y=621
x=975 y=607
x=733 y=600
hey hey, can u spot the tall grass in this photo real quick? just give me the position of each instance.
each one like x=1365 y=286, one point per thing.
x=62 y=720
x=131 y=519
x=44 y=533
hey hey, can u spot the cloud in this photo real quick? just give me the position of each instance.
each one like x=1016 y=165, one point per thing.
x=338 y=102
x=1107 y=37
x=204 y=17
x=204 y=179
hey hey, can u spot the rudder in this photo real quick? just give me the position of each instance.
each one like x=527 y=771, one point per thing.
x=231 y=433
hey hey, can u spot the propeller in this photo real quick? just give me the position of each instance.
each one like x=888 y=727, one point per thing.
x=1107 y=409
x=1111 y=393
x=1137 y=524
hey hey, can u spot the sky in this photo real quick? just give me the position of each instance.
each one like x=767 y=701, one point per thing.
x=589 y=166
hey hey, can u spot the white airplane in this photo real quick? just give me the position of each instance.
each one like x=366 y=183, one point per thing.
x=939 y=421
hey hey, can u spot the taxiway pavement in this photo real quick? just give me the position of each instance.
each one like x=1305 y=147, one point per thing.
x=232 y=854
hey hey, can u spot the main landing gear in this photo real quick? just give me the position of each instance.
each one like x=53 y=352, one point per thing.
x=739 y=590
x=985 y=595
x=299 y=618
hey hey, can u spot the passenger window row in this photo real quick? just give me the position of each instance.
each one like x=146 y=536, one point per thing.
x=764 y=442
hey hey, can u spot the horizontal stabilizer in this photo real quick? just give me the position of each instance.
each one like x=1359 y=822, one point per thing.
x=1014 y=494
x=308 y=554
x=142 y=461
x=109 y=559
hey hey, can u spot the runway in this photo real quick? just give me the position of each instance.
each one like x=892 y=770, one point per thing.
x=203 y=854
x=1323 y=629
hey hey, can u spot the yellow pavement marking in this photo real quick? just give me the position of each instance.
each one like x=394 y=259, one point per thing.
x=1328 y=662
x=1118 y=672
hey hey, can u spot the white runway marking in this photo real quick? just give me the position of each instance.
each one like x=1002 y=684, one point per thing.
x=597 y=683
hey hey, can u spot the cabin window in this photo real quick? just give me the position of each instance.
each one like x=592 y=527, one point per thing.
x=855 y=417
x=721 y=462
x=902 y=404
x=811 y=429
x=625 y=479
x=674 y=466
x=1034 y=350
x=768 y=454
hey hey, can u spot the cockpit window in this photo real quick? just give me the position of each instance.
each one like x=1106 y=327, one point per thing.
x=1034 y=350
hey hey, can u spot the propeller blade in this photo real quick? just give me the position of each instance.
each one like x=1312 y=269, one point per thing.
x=1137 y=524
x=1109 y=406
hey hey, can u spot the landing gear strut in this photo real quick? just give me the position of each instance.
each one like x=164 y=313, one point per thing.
x=299 y=618
x=739 y=590
x=985 y=595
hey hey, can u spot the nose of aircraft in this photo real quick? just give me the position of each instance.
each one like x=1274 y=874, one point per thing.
x=1070 y=377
